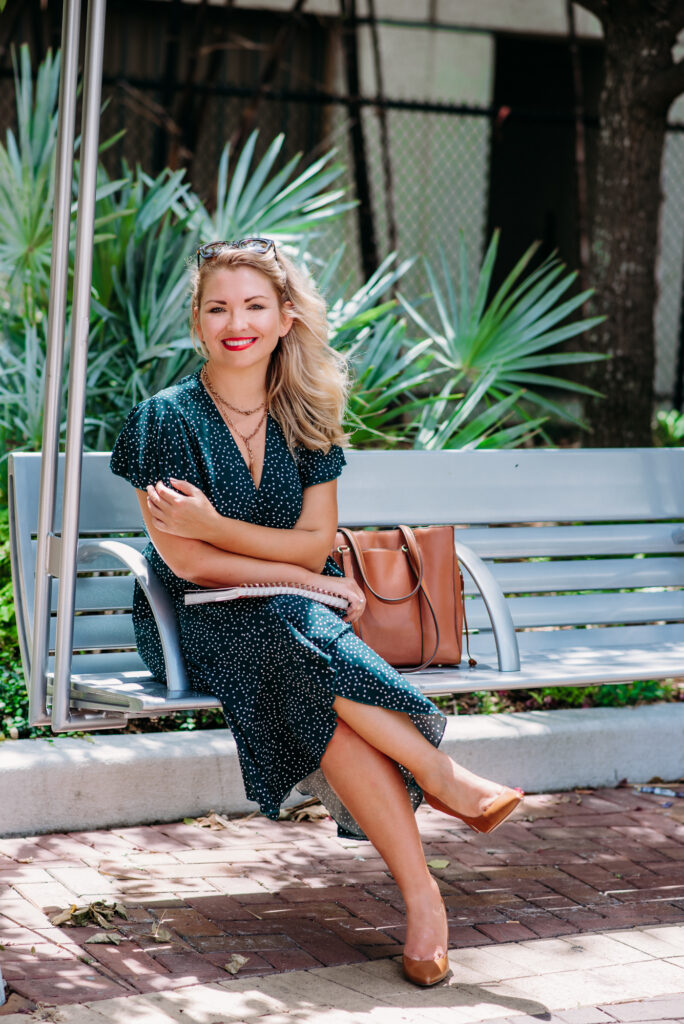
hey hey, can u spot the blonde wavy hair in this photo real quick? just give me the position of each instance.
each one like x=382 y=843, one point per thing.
x=307 y=382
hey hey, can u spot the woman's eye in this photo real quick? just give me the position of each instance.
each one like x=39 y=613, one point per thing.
x=255 y=305
x=216 y=309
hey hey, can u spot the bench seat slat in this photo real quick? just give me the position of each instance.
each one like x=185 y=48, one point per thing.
x=134 y=692
x=566 y=666
x=584 y=574
x=574 y=541
x=582 y=609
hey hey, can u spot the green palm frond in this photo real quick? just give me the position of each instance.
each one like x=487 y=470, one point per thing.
x=257 y=199
x=508 y=337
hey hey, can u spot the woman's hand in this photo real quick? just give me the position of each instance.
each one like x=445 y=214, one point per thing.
x=188 y=514
x=350 y=590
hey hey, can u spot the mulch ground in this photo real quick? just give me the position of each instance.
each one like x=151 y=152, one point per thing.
x=291 y=895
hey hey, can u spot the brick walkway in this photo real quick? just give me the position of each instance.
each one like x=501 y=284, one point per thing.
x=293 y=897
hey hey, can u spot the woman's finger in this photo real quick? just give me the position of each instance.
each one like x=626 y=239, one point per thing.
x=184 y=486
x=164 y=493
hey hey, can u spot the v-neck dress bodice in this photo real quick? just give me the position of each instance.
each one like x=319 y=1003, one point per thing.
x=276 y=664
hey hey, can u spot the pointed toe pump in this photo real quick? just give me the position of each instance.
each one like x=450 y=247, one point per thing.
x=494 y=815
x=425 y=972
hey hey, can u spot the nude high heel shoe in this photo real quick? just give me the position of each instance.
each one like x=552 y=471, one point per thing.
x=494 y=815
x=425 y=972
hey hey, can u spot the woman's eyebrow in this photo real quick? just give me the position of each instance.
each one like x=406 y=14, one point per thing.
x=222 y=302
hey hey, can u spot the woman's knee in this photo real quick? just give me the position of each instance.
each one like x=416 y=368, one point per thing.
x=342 y=742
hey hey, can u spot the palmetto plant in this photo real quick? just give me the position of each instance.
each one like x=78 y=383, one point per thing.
x=26 y=182
x=261 y=200
x=508 y=338
x=396 y=397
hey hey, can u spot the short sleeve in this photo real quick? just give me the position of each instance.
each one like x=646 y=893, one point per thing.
x=153 y=445
x=317 y=467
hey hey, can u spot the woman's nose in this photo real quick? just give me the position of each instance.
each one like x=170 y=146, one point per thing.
x=235 y=322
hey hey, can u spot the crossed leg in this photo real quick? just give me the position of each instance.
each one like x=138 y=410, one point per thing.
x=394 y=734
x=372 y=789
x=360 y=763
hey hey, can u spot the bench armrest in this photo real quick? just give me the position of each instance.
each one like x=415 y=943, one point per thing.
x=499 y=613
x=164 y=613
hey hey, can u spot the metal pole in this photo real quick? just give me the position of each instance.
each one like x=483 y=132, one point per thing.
x=59 y=269
x=80 y=325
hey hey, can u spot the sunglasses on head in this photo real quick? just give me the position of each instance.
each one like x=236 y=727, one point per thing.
x=211 y=250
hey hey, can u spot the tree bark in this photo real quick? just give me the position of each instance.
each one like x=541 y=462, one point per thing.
x=640 y=82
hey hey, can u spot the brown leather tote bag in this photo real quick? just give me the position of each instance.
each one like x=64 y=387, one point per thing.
x=414 y=592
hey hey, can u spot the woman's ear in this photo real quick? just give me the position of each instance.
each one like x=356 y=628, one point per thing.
x=287 y=318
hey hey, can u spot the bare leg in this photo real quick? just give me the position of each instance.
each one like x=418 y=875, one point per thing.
x=394 y=734
x=371 y=787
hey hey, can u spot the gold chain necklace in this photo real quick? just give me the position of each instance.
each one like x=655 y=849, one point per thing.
x=245 y=412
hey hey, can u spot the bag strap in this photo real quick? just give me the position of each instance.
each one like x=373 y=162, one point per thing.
x=427 y=661
x=414 y=558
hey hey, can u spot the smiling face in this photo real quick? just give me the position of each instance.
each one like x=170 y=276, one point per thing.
x=239 y=319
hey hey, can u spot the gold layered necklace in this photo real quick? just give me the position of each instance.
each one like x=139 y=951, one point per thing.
x=227 y=408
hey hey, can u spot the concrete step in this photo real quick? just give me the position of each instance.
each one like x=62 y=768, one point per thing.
x=104 y=781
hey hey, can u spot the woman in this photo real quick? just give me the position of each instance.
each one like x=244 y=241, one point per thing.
x=236 y=471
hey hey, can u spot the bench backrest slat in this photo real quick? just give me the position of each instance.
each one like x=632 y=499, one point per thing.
x=93 y=632
x=590 y=485
x=567 y=541
x=584 y=609
x=100 y=593
x=585 y=574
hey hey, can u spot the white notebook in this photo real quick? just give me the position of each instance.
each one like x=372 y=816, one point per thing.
x=264 y=590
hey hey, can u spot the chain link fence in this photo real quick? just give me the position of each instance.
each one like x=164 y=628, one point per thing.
x=440 y=160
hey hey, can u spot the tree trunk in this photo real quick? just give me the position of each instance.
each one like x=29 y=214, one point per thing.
x=637 y=92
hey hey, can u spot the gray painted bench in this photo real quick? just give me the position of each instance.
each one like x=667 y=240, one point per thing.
x=574 y=567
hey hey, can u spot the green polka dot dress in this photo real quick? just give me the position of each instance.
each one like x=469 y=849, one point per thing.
x=275 y=663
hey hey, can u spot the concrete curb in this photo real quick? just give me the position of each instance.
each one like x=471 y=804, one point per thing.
x=104 y=781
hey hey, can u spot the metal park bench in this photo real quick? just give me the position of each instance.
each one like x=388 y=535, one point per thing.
x=574 y=568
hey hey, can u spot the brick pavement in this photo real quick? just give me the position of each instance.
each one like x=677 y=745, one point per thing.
x=292 y=896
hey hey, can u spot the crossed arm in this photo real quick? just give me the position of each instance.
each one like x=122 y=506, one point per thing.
x=202 y=546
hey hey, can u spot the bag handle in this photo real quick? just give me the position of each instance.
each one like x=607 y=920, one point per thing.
x=415 y=561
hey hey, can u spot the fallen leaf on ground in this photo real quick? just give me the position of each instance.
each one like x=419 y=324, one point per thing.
x=438 y=863
x=64 y=915
x=161 y=935
x=113 y=938
x=212 y=821
x=100 y=913
x=235 y=963
x=308 y=810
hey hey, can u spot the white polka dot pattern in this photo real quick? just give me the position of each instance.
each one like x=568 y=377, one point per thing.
x=275 y=663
